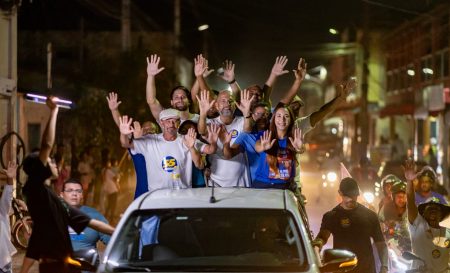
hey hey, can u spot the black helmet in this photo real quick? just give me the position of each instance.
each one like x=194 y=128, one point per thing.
x=398 y=186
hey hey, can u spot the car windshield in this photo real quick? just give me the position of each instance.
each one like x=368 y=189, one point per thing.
x=208 y=240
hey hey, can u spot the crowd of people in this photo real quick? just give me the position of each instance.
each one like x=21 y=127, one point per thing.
x=225 y=139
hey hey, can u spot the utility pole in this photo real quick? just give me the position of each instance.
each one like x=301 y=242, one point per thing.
x=126 y=26
x=364 y=116
x=49 y=66
x=176 y=44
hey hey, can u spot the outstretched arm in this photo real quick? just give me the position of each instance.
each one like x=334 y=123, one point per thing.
x=299 y=74
x=245 y=106
x=101 y=227
x=228 y=151
x=153 y=69
x=125 y=132
x=230 y=77
x=322 y=238
x=48 y=138
x=277 y=70
x=342 y=92
x=113 y=105
x=410 y=175
x=204 y=104
x=264 y=143
x=189 y=140
x=195 y=89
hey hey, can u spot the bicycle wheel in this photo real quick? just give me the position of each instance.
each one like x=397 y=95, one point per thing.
x=6 y=141
x=22 y=232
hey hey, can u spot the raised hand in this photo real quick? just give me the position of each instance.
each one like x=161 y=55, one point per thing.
x=347 y=88
x=228 y=71
x=125 y=125
x=300 y=72
x=11 y=171
x=51 y=102
x=138 y=130
x=278 y=67
x=410 y=169
x=189 y=138
x=266 y=141
x=113 y=104
x=200 y=65
x=246 y=101
x=213 y=133
x=153 y=68
x=297 y=141
x=203 y=102
x=208 y=71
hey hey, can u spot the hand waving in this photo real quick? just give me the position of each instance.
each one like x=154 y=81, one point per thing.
x=278 y=67
x=125 y=125
x=200 y=65
x=228 y=71
x=300 y=72
x=203 y=102
x=189 y=138
x=152 y=65
x=113 y=104
x=138 y=131
x=410 y=169
x=266 y=141
x=246 y=101
x=213 y=133
x=297 y=141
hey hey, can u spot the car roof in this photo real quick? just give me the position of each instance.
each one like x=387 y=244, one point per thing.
x=225 y=198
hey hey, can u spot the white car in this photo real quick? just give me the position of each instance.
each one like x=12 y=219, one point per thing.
x=244 y=230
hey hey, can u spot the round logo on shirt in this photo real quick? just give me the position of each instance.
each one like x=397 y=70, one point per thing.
x=345 y=222
x=169 y=163
x=234 y=133
x=436 y=253
x=447 y=243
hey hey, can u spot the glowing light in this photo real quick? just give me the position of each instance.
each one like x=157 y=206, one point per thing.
x=369 y=197
x=203 y=27
x=333 y=31
x=427 y=70
x=331 y=176
x=410 y=72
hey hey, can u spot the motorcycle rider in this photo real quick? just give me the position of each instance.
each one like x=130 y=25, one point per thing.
x=394 y=220
x=386 y=184
x=426 y=179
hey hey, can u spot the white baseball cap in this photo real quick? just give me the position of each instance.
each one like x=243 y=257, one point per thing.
x=168 y=114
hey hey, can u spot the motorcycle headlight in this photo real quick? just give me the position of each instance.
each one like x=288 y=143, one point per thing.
x=331 y=176
x=369 y=197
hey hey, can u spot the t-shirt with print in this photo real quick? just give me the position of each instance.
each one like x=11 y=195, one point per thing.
x=430 y=244
x=51 y=216
x=304 y=123
x=352 y=230
x=422 y=199
x=284 y=170
x=229 y=172
x=163 y=157
x=247 y=142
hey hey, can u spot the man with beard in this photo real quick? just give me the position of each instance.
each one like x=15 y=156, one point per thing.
x=168 y=153
x=233 y=172
x=353 y=226
x=180 y=96
x=426 y=178
x=393 y=218
x=430 y=241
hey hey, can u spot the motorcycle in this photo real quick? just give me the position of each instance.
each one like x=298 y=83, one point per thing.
x=22 y=224
x=411 y=257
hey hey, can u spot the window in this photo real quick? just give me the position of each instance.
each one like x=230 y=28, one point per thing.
x=209 y=239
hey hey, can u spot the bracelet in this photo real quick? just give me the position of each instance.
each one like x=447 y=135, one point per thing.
x=233 y=81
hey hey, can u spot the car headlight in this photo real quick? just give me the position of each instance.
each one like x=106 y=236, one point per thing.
x=331 y=176
x=369 y=197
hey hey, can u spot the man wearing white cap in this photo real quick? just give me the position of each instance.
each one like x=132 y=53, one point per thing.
x=168 y=152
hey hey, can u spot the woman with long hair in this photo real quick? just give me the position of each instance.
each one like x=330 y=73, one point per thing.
x=278 y=146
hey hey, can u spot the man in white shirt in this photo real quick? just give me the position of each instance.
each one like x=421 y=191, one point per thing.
x=232 y=172
x=430 y=241
x=6 y=247
x=168 y=153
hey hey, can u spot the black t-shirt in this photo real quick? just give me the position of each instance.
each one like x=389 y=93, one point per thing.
x=352 y=230
x=51 y=216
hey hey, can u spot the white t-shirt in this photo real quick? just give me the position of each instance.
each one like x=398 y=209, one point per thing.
x=304 y=123
x=229 y=172
x=430 y=244
x=162 y=157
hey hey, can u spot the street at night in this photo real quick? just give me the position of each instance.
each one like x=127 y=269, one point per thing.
x=224 y=136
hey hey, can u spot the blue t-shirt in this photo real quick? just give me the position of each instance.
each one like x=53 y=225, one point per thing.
x=247 y=142
x=420 y=199
x=284 y=170
x=88 y=238
x=141 y=174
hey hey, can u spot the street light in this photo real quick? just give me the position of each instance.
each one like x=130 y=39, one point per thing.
x=203 y=27
x=333 y=31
